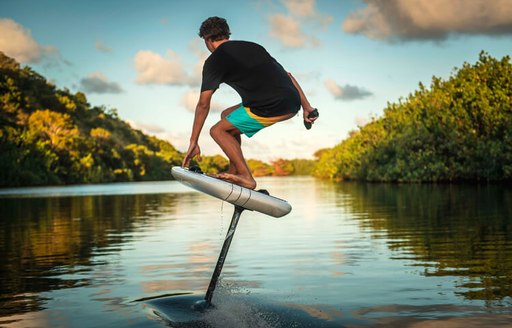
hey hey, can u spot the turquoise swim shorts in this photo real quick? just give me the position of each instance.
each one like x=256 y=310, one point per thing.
x=249 y=123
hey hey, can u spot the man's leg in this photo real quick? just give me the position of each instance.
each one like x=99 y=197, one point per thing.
x=229 y=139
x=226 y=112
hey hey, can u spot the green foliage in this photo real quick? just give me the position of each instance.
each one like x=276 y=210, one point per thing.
x=302 y=166
x=285 y=167
x=281 y=167
x=213 y=164
x=50 y=136
x=259 y=168
x=459 y=129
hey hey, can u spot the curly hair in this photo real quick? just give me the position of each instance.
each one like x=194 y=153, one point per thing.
x=214 y=29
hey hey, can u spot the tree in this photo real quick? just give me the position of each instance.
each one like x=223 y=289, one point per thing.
x=459 y=129
x=50 y=136
x=57 y=129
x=282 y=167
x=259 y=168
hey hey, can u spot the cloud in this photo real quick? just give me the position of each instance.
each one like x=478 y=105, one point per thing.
x=303 y=8
x=307 y=9
x=347 y=92
x=103 y=48
x=362 y=121
x=16 y=41
x=148 y=128
x=98 y=83
x=287 y=30
x=179 y=139
x=152 y=68
x=190 y=98
x=276 y=142
x=407 y=20
x=196 y=46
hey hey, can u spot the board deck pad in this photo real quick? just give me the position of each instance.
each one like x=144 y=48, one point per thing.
x=259 y=201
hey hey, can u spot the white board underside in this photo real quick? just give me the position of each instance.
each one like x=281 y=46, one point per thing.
x=232 y=193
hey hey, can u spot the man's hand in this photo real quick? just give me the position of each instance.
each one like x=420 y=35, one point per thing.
x=193 y=151
x=310 y=116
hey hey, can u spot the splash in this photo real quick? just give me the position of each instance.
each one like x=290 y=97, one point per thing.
x=233 y=309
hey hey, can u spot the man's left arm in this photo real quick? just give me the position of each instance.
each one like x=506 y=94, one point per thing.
x=306 y=106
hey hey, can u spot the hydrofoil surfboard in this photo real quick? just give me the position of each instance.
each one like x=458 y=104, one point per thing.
x=232 y=193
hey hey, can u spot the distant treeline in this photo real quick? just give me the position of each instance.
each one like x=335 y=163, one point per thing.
x=279 y=167
x=458 y=130
x=50 y=136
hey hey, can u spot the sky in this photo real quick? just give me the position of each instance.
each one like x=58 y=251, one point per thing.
x=351 y=57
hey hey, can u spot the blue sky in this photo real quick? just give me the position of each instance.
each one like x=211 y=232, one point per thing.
x=351 y=57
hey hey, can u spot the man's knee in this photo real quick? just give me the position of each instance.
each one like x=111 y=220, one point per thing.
x=214 y=131
x=223 y=127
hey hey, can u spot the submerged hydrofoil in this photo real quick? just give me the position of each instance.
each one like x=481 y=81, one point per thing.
x=242 y=198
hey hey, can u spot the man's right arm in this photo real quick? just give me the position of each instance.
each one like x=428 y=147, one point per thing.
x=201 y=113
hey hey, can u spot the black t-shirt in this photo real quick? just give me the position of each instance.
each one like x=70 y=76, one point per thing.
x=259 y=79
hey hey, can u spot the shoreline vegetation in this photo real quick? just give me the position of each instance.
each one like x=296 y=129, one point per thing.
x=459 y=129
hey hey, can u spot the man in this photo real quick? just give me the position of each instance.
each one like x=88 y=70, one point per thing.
x=269 y=95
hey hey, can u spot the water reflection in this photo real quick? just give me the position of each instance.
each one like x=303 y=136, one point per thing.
x=347 y=255
x=445 y=230
x=49 y=244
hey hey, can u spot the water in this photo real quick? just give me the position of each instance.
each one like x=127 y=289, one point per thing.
x=348 y=255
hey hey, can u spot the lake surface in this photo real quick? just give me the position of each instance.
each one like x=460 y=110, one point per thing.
x=348 y=255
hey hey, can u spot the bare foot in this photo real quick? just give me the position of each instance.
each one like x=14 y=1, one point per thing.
x=247 y=182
